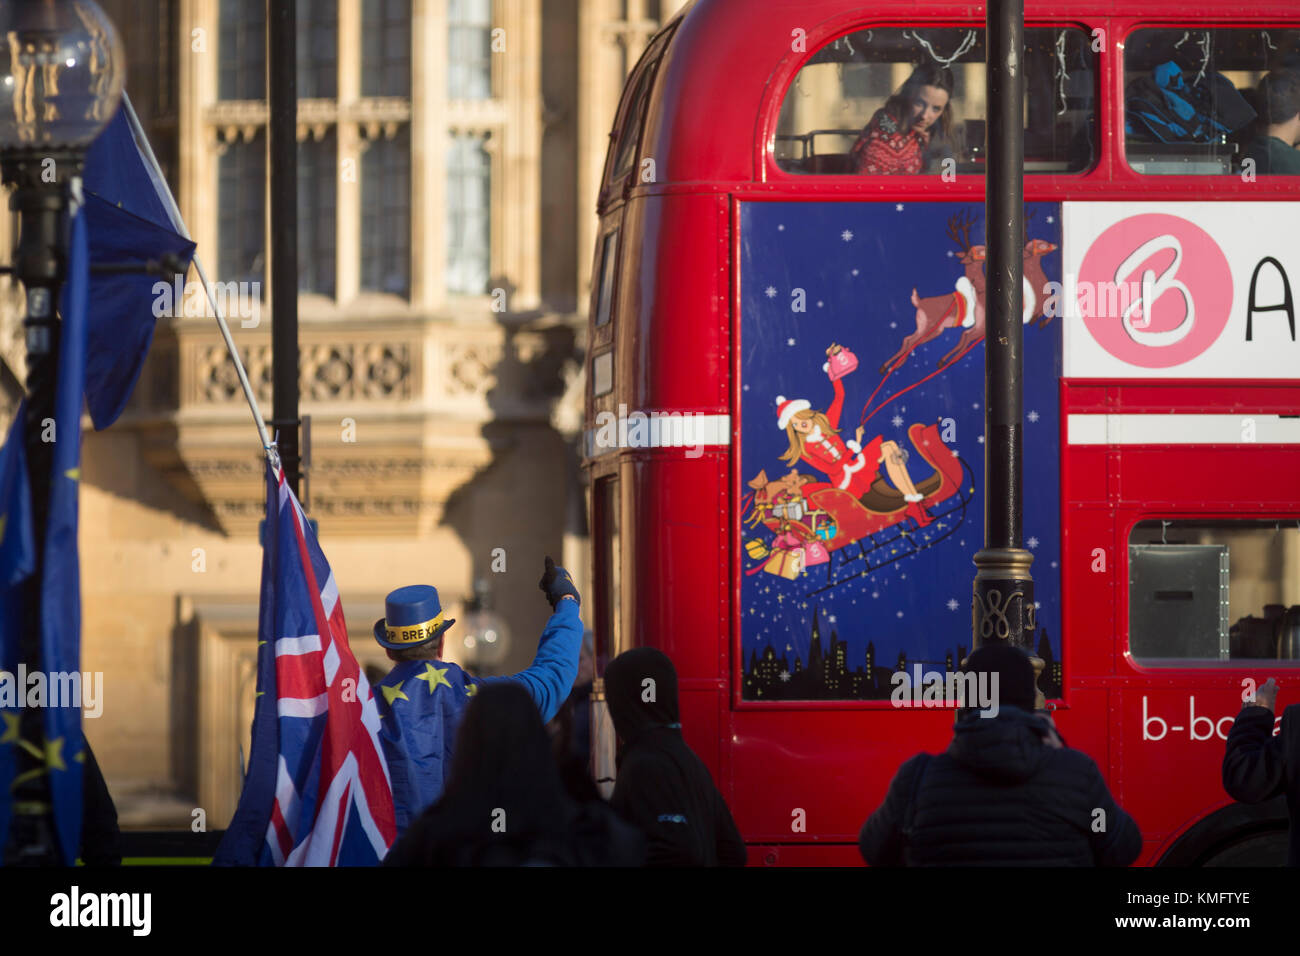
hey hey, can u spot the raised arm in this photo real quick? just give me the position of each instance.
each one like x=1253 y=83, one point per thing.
x=550 y=677
x=837 y=406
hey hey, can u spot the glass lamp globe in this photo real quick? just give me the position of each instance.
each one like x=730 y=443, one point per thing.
x=485 y=636
x=61 y=73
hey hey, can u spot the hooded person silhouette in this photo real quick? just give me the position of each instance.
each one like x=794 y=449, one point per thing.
x=662 y=786
x=504 y=803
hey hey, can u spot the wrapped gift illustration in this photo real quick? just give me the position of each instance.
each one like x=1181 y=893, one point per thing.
x=786 y=563
x=815 y=553
x=755 y=548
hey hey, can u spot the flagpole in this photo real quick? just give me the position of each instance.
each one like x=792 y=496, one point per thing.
x=142 y=143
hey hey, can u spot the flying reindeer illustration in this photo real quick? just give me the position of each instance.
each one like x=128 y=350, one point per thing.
x=963 y=306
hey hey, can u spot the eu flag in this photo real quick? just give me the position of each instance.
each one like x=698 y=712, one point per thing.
x=61 y=577
x=129 y=218
x=17 y=554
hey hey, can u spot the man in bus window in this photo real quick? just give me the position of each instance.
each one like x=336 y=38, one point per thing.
x=1006 y=792
x=1273 y=150
x=1258 y=766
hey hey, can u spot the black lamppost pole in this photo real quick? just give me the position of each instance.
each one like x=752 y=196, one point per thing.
x=61 y=67
x=1003 y=606
x=281 y=62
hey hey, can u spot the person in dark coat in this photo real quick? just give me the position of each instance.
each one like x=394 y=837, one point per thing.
x=1007 y=792
x=504 y=803
x=1258 y=766
x=101 y=838
x=661 y=786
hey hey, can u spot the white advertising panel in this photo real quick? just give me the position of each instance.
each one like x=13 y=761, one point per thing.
x=1181 y=290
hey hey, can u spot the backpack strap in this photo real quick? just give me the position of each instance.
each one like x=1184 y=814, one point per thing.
x=909 y=815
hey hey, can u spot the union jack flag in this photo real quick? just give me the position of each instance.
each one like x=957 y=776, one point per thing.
x=318 y=791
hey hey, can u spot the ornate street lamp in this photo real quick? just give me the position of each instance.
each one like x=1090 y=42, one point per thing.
x=1003 y=606
x=61 y=72
x=485 y=636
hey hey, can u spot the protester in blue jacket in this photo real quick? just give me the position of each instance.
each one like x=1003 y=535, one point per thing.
x=422 y=700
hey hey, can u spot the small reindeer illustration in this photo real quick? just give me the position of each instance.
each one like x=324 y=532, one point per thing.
x=1034 y=294
x=1036 y=279
x=962 y=307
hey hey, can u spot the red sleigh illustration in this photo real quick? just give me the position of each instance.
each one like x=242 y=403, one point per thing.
x=815 y=523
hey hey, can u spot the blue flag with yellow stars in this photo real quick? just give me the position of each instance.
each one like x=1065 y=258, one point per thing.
x=17 y=560
x=128 y=219
x=421 y=704
x=60 y=593
x=61 y=580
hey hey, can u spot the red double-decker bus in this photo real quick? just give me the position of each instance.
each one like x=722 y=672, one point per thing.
x=788 y=281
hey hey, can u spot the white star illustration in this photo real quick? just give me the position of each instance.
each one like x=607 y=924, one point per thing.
x=900 y=613
x=975 y=405
x=898 y=207
x=820 y=303
x=789 y=341
x=980 y=439
x=744 y=388
x=875 y=594
x=1032 y=416
x=854 y=272
x=1037 y=605
x=1033 y=542
x=893 y=325
x=951 y=253
x=897 y=421
x=831 y=618
x=780 y=227
x=770 y=292
x=785 y=675
x=1051 y=219
x=1053 y=564
x=952 y=604
x=847 y=235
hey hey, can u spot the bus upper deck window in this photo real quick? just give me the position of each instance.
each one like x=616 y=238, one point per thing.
x=1212 y=101
x=912 y=101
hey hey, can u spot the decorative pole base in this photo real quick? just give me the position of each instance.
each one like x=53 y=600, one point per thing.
x=1002 y=608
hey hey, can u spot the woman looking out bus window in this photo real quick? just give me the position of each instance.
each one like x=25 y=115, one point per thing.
x=912 y=126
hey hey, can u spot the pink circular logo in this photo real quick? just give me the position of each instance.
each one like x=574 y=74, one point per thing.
x=1155 y=290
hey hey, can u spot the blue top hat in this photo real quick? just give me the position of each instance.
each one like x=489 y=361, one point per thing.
x=412 y=616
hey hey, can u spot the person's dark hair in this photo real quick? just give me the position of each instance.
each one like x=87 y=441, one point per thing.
x=431 y=651
x=504 y=803
x=1279 y=95
x=899 y=105
x=1014 y=670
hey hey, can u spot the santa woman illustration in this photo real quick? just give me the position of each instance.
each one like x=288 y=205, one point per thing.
x=847 y=465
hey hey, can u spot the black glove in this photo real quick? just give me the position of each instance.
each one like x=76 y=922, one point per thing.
x=556 y=583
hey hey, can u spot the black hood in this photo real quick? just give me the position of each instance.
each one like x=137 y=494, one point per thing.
x=1007 y=748
x=635 y=705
